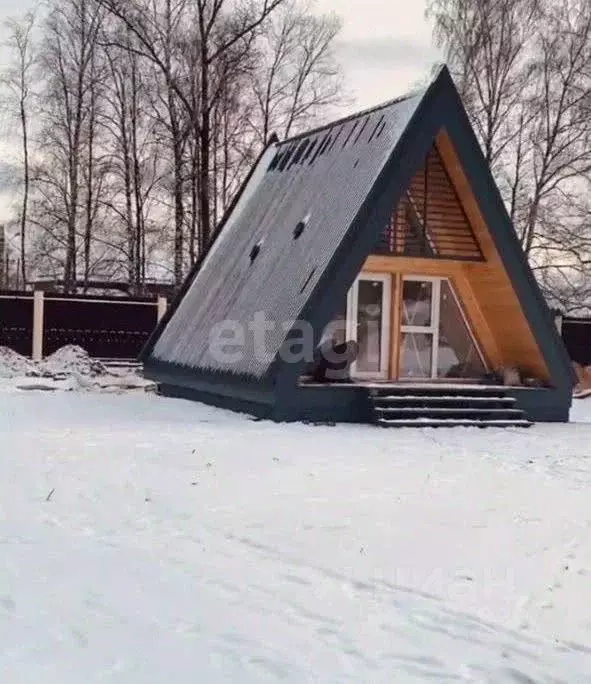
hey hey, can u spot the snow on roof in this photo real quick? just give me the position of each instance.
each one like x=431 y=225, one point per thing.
x=320 y=179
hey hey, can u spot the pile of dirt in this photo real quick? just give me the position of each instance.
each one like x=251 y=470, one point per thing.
x=69 y=368
x=13 y=365
x=72 y=359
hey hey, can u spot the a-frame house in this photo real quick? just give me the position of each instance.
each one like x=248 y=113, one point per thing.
x=390 y=222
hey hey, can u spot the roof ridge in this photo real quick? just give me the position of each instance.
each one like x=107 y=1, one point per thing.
x=356 y=115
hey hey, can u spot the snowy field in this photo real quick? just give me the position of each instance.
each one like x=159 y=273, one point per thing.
x=148 y=540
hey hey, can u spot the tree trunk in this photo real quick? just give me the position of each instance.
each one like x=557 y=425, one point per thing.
x=25 y=202
x=138 y=232
x=89 y=187
x=204 y=153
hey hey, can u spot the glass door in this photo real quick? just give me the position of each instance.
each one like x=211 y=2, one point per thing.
x=419 y=328
x=368 y=323
x=435 y=339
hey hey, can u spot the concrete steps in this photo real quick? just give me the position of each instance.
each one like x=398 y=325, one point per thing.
x=432 y=406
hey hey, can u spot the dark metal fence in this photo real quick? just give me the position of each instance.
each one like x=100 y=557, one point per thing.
x=16 y=322
x=118 y=327
x=576 y=333
x=107 y=327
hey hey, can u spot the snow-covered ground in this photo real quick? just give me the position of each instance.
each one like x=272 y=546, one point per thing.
x=149 y=540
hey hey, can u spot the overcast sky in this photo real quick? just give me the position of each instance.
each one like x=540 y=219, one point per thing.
x=385 y=46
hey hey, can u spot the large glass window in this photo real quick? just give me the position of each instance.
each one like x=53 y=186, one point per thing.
x=457 y=355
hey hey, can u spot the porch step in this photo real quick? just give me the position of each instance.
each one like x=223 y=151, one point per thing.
x=447 y=406
x=408 y=390
x=428 y=423
x=444 y=402
x=456 y=412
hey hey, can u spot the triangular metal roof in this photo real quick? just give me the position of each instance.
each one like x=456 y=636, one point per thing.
x=310 y=212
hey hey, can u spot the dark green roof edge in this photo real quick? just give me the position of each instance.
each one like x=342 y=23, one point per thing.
x=492 y=207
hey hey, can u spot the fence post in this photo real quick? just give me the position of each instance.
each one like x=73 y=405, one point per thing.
x=162 y=306
x=38 y=305
x=558 y=321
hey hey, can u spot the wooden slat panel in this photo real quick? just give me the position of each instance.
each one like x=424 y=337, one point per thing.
x=441 y=228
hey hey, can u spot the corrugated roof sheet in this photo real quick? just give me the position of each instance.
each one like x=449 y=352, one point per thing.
x=257 y=267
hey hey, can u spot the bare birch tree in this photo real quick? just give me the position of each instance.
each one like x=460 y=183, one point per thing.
x=487 y=46
x=561 y=123
x=524 y=69
x=299 y=78
x=18 y=79
x=217 y=32
x=68 y=60
x=134 y=168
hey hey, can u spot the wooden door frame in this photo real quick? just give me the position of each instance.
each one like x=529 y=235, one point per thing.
x=395 y=318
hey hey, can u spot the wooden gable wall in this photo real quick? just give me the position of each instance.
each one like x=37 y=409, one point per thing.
x=489 y=299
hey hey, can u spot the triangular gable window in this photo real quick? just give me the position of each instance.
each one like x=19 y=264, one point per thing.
x=429 y=220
